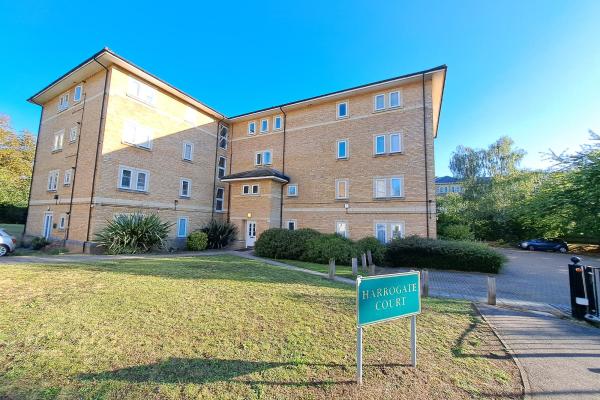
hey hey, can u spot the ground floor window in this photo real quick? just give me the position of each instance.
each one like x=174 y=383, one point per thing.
x=219 y=199
x=291 y=224
x=341 y=228
x=386 y=231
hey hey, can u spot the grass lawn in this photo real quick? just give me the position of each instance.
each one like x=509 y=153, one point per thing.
x=340 y=270
x=226 y=327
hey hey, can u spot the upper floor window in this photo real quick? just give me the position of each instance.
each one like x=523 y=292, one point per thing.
x=388 y=187
x=182 y=227
x=342 y=149
x=395 y=99
x=73 y=134
x=63 y=102
x=251 y=189
x=185 y=187
x=342 y=110
x=264 y=125
x=379 y=103
x=341 y=188
x=388 y=143
x=292 y=190
x=67 y=177
x=341 y=228
x=77 y=93
x=188 y=151
x=277 y=123
x=380 y=144
x=53 y=180
x=263 y=158
x=133 y=179
x=58 y=140
x=219 y=199
x=191 y=115
x=223 y=137
x=140 y=91
x=251 y=128
x=137 y=134
x=222 y=166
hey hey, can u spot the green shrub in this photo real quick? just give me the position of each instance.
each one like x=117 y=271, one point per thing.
x=133 y=233
x=197 y=241
x=298 y=240
x=38 y=243
x=417 y=252
x=457 y=232
x=273 y=243
x=220 y=234
x=376 y=247
x=322 y=248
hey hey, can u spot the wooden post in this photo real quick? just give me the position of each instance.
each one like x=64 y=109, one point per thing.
x=369 y=257
x=354 y=266
x=331 y=268
x=491 y=290
x=425 y=283
x=364 y=262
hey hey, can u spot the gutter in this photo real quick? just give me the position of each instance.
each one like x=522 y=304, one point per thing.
x=282 y=169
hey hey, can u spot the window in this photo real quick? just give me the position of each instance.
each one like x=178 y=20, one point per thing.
x=53 y=180
x=140 y=91
x=223 y=137
x=342 y=149
x=251 y=128
x=222 y=166
x=379 y=102
x=73 y=134
x=58 y=140
x=219 y=196
x=264 y=125
x=388 y=187
x=188 y=151
x=136 y=135
x=342 y=110
x=77 y=93
x=381 y=232
x=341 y=188
x=67 y=177
x=251 y=189
x=395 y=143
x=62 y=221
x=263 y=158
x=191 y=115
x=380 y=144
x=341 y=228
x=182 y=227
x=292 y=190
x=255 y=189
x=386 y=231
x=133 y=179
x=277 y=123
x=185 y=188
x=63 y=102
x=396 y=230
x=291 y=224
x=395 y=99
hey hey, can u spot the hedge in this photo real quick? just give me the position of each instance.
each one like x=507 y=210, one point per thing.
x=283 y=243
x=417 y=252
x=197 y=241
x=10 y=214
x=322 y=248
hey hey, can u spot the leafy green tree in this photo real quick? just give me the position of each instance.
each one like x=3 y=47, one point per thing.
x=16 y=160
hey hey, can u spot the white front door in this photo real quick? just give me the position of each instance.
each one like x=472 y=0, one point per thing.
x=250 y=233
x=47 y=225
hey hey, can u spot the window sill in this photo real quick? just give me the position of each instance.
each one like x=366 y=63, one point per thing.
x=133 y=191
x=388 y=109
x=341 y=118
x=136 y=146
x=395 y=153
x=342 y=158
x=140 y=100
x=388 y=198
x=56 y=151
x=51 y=190
x=185 y=197
x=187 y=161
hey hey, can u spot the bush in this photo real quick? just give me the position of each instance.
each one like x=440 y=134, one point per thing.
x=133 y=233
x=322 y=248
x=219 y=234
x=197 y=241
x=457 y=232
x=376 y=247
x=417 y=252
x=38 y=243
x=274 y=243
x=10 y=214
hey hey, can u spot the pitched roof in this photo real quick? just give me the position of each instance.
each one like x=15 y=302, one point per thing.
x=259 y=173
x=446 y=179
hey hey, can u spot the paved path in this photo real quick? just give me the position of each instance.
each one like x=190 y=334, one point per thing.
x=559 y=359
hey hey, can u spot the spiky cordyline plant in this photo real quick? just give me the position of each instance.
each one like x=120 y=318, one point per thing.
x=134 y=233
x=220 y=234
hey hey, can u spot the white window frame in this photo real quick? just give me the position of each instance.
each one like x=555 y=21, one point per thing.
x=141 y=91
x=387 y=184
x=221 y=170
x=191 y=147
x=346 y=232
x=252 y=192
x=401 y=179
x=399 y=99
x=342 y=196
x=376 y=193
x=186 y=221
x=53 y=180
x=223 y=138
x=399 y=134
x=275 y=119
x=59 y=138
x=391 y=226
x=191 y=115
x=295 y=187
x=62 y=221
x=262 y=122
x=262 y=158
x=252 y=128
x=189 y=188
x=73 y=133
x=292 y=221
x=376 y=225
x=222 y=199
x=63 y=102
x=245 y=190
x=140 y=132
x=337 y=109
x=347 y=142
x=67 y=177
x=75 y=98
x=378 y=95
x=375 y=137
x=134 y=179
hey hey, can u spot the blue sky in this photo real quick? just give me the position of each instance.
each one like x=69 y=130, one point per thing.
x=527 y=69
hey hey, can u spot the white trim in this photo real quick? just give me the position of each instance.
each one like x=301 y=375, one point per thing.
x=346 y=195
x=134 y=179
x=399 y=134
x=287 y=224
x=219 y=168
x=251 y=190
x=63 y=104
x=388 y=224
x=80 y=86
x=262 y=157
x=59 y=140
x=275 y=128
x=143 y=92
x=399 y=99
x=187 y=221
x=191 y=145
x=346 y=231
x=52 y=184
x=293 y=185
x=261 y=125
x=375 y=109
x=337 y=109
x=189 y=188
x=221 y=137
x=375 y=152
x=68 y=174
x=222 y=199
x=347 y=156
x=133 y=133
x=73 y=134
x=62 y=219
x=273 y=177
x=387 y=181
x=252 y=132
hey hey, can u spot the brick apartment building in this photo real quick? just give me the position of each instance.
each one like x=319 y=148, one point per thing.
x=115 y=139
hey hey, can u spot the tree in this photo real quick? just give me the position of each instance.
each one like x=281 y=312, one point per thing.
x=17 y=152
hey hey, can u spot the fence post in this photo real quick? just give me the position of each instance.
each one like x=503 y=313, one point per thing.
x=369 y=257
x=331 y=268
x=491 y=280
x=372 y=269
x=364 y=262
x=354 y=266
x=425 y=283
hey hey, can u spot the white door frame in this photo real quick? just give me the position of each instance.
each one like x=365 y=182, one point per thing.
x=250 y=239
x=47 y=226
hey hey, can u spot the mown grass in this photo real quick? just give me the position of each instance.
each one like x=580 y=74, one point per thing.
x=340 y=270
x=226 y=327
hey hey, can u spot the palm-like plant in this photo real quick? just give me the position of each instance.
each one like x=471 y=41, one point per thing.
x=220 y=234
x=134 y=233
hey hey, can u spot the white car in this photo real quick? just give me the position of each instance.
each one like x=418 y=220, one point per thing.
x=7 y=243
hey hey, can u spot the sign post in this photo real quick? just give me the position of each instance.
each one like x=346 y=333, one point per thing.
x=385 y=298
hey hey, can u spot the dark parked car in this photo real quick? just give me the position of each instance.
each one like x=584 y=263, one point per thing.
x=545 y=244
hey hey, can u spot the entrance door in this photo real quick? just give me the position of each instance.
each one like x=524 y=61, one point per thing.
x=250 y=233
x=47 y=225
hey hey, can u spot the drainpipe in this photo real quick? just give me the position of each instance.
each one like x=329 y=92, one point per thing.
x=228 y=185
x=214 y=193
x=75 y=168
x=37 y=142
x=425 y=155
x=102 y=118
x=282 y=169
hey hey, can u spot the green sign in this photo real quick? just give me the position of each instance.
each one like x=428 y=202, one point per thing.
x=386 y=297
